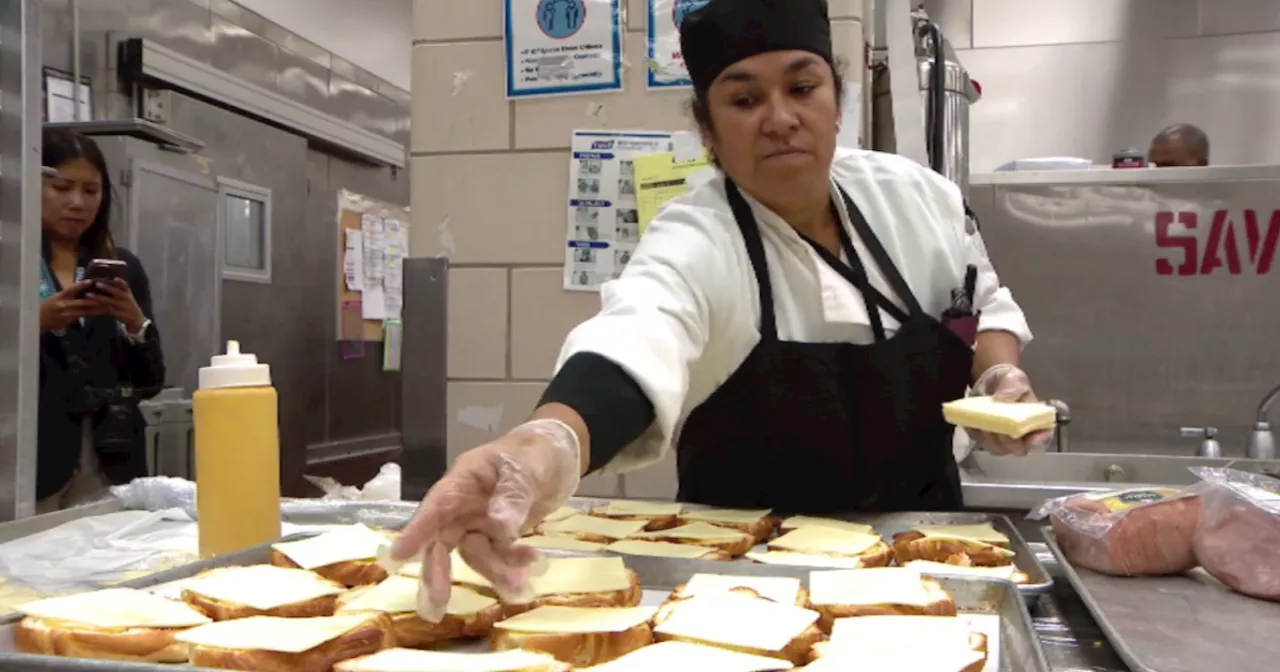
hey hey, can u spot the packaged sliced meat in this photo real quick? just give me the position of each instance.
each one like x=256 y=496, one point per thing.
x=1136 y=532
x=1238 y=541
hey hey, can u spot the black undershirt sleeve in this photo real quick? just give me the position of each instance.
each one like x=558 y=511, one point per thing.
x=615 y=409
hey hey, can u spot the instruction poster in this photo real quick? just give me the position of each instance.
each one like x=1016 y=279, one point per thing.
x=666 y=64
x=604 y=219
x=660 y=178
x=557 y=47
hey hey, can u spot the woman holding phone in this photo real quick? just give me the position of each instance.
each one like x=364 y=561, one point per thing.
x=99 y=349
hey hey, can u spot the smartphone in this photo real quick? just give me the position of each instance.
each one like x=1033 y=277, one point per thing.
x=103 y=270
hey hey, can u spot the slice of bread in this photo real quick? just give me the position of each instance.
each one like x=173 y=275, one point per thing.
x=760 y=529
x=208 y=602
x=370 y=635
x=914 y=545
x=732 y=541
x=350 y=573
x=581 y=637
x=49 y=637
x=941 y=643
x=468 y=613
x=885 y=591
x=627 y=597
x=401 y=660
x=796 y=650
x=869 y=549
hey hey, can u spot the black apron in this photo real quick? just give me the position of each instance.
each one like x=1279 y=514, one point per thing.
x=832 y=427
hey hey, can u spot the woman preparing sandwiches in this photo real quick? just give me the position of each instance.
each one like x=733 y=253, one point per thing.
x=791 y=328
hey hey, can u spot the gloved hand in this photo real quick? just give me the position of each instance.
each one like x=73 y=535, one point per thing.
x=482 y=505
x=1006 y=382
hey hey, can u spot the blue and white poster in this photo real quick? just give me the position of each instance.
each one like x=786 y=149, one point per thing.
x=557 y=47
x=666 y=64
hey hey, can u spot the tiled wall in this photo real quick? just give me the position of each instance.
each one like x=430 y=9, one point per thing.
x=490 y=179
x=1089 y=77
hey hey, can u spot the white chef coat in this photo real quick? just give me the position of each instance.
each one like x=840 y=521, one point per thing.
x=685 y=312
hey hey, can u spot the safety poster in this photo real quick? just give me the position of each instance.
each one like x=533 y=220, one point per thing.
x=666 y=64
x=558 y=47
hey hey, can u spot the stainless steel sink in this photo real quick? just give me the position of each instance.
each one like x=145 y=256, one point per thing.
x=1024 y=482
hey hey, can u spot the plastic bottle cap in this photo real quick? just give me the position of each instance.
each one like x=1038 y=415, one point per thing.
x=235 y=369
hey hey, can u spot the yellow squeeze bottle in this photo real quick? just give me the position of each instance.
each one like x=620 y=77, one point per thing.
x=237 y=454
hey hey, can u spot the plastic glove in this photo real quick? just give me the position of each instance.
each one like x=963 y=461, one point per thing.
x=1006 y=382
x=480 y=507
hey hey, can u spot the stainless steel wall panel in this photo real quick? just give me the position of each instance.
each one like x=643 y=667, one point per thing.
x=1224 y=17
x=20 y=186
x=299 y=46
x=1135 y=353
x=1009 y=23
x=244 y=54
x=302 y=80
x=425 y=359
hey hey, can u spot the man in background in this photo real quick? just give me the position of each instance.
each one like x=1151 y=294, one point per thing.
x=1179 y=146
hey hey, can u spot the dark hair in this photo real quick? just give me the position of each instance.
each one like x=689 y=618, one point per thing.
x=61 y=146
x=702 y=115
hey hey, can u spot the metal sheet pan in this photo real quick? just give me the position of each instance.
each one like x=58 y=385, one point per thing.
x=994 y=607
x=888 y=524
x=1184 y=623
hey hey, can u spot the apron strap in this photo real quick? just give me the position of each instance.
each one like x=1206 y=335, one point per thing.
x=853 y=271
x=878 y=254
x=755 y=252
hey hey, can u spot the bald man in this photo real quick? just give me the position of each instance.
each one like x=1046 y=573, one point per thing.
x=1179 y=146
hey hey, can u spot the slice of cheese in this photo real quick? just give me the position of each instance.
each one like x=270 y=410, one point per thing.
x=593 y=525
x=1014 y=419
x=913 y=659
x=399 y=595
x=929 y=567
x=983 y=533
x=565 y=576
x=460 y=572
x=696 y=530
x=677 y=655
x=577 y=620
x=970 y=541
x=355 y=542
x=268 y=633
x=560 y=514
x=629 y=507
x=262 y=586
x=732 y=619
x=808 y=521
x=868 y=587
x=735 y=516
x=658 y=549
x=554 y=543
x=820 y=540
x=413 y=660
x=790 y=559
x=116 y=608
x=780 y=589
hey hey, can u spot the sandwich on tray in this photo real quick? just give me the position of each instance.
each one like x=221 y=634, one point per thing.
x=228 y=593
x=347 y=555
x=119 y=624
x=468 y=613
x=270 y=643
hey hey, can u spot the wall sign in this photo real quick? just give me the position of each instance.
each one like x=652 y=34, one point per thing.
x=1237 y=242
x=666 y=64
x=558 y=47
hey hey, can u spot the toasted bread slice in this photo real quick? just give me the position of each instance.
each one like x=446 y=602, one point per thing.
x=666 y=549
x=760 y=528
x=781 y=590
x=884 y=591
x=209 y=592
x=914 y=545
x=79 y=640
x=946 y=644
x=349 y=573
x=578 y=636
x=868 y=548
x=652 y=523
x=796 y=650
x=400 y=660
x=732 y=541
x=595 y=529
x=959 y=567
x=369 y=633
x=468 y=613
x=627 y=597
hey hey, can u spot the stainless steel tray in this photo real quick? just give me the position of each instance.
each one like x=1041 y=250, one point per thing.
x=889 y=524
x=992 y=606
x=1184 y=623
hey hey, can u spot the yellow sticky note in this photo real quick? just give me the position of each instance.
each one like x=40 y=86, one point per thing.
x=659 y=179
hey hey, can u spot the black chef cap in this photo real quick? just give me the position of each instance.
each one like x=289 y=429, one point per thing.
x=723 y=32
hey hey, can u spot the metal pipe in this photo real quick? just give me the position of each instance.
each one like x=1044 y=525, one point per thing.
x=1265 y=405
x=75 y=54
x=936 y=112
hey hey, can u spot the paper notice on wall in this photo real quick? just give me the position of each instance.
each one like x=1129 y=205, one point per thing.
x=396 y=248
x=603 y=220
x=660 y=178
x=353 y=260
x=557 y=47
x=373 y=302
x=666 y=62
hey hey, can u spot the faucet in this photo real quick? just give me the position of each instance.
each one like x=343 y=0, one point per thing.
x=1209 y=447
x=1060 y=428
x=1262 y=443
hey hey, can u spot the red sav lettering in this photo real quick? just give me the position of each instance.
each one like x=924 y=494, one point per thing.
x=1177 y=231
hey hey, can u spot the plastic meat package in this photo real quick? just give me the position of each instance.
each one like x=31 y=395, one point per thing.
x=1238 y=541
x=1135 y=532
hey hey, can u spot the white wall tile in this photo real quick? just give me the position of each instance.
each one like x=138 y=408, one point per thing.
x=1004 y=23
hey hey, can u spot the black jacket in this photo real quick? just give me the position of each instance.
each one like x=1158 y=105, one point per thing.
x=94 y=370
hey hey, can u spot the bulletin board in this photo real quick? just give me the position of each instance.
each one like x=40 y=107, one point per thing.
x=373 y=240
